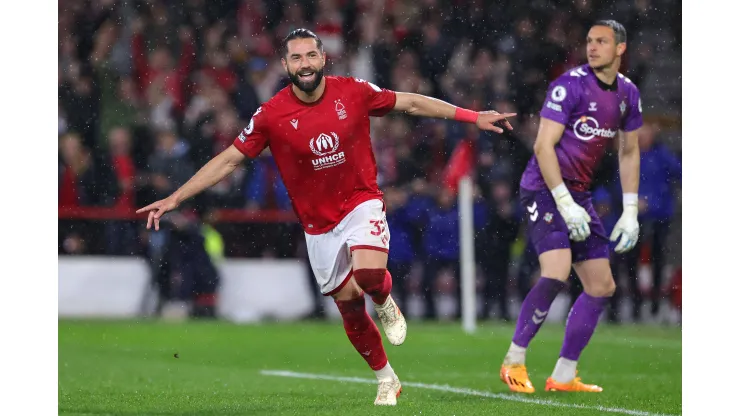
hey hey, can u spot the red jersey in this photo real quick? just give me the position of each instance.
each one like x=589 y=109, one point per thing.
x=322 y=149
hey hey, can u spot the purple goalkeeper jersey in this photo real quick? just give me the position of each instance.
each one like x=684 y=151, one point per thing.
x=592 y=113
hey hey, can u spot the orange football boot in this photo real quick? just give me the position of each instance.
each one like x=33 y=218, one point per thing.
x=516 y=377
x=575 y=385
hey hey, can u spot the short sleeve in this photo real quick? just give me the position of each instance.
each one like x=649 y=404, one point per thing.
x=633 y=119
x=253 y=139
x=380 y=101
x=561 y=100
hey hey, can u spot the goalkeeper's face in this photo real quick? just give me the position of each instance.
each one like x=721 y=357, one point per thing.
x=602 y=49
x=304 y=63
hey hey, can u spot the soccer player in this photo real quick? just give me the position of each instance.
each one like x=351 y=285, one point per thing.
x=584 y=110
x=317 y=129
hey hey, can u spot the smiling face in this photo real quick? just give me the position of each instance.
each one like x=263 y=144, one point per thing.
x=304 y=62
x=602 y=48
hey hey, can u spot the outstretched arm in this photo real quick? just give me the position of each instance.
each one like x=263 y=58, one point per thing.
x=210 y=174
x=423 y=106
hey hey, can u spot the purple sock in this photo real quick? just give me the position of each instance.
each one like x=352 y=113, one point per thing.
x=535 y=308
x=582 y=321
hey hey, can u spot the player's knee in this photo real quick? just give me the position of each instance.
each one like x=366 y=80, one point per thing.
x=602 y=288
x=609 y=287
x=369 y=277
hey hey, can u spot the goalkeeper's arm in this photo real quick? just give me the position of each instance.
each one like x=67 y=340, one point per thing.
x=576 y=218
x=629 y=175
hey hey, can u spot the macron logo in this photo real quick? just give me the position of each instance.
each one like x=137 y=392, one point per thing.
x=294 y=122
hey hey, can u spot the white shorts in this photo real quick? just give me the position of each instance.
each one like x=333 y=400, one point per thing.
x=330 y=254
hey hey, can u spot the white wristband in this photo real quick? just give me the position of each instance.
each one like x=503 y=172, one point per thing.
x=560 y=191
x=629 y=199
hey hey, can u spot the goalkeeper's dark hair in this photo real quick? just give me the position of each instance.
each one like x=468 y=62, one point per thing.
x=620 y=33
x=300 y=34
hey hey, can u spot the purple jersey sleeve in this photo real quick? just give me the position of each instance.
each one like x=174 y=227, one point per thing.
x=562 y=98
x=633 y=119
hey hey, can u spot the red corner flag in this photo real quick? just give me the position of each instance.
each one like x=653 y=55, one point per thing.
x=460 y=164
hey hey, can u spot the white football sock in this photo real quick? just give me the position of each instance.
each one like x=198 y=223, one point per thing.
x=515 y=355
x=565 y=370
x=385 y=373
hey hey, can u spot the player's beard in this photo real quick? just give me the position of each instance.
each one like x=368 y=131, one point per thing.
x=307 y=87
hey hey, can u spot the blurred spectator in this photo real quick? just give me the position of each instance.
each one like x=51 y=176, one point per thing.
x=294 y=17
x=158 y=77
x=83 y=181
x=119 y=143
x=442 y=247
x=229 y=193
x=169 y=166
x=122 y=235
x=192 y=281
x=494 y=243
x=80 y=98
x=402 y=256
x=217 y=67
x=265 y=188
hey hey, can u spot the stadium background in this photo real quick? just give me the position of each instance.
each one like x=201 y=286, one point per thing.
x=150 y=90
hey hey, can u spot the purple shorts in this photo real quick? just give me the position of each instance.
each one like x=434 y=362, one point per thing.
x=547 y=229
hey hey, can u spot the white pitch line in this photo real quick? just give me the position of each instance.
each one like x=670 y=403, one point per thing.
x=465 y=391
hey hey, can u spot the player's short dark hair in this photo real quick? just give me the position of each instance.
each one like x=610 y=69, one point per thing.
x=300 y=34
x=620 y=33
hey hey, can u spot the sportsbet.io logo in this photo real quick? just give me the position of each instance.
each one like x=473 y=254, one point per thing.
x=326 y=146
x=586 y=128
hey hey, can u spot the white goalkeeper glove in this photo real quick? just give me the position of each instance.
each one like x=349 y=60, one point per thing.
x=627 y=226
x=576 y=218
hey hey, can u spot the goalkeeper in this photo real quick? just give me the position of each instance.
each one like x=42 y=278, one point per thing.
x=584 y=110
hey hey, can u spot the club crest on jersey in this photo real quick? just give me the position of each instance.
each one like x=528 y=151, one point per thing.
x=592 y=106
x=548 y=217
x=339 y=108
x=622 y=107
x=326 y=146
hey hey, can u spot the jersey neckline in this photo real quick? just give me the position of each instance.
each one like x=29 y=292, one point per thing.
x=603 y=86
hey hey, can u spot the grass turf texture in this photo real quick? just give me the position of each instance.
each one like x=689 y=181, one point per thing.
x=130 y=368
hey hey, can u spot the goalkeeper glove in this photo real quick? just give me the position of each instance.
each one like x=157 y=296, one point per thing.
x=627 y=226
x=576 y=218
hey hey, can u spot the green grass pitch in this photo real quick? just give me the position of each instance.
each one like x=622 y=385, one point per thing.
x=130 y=368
